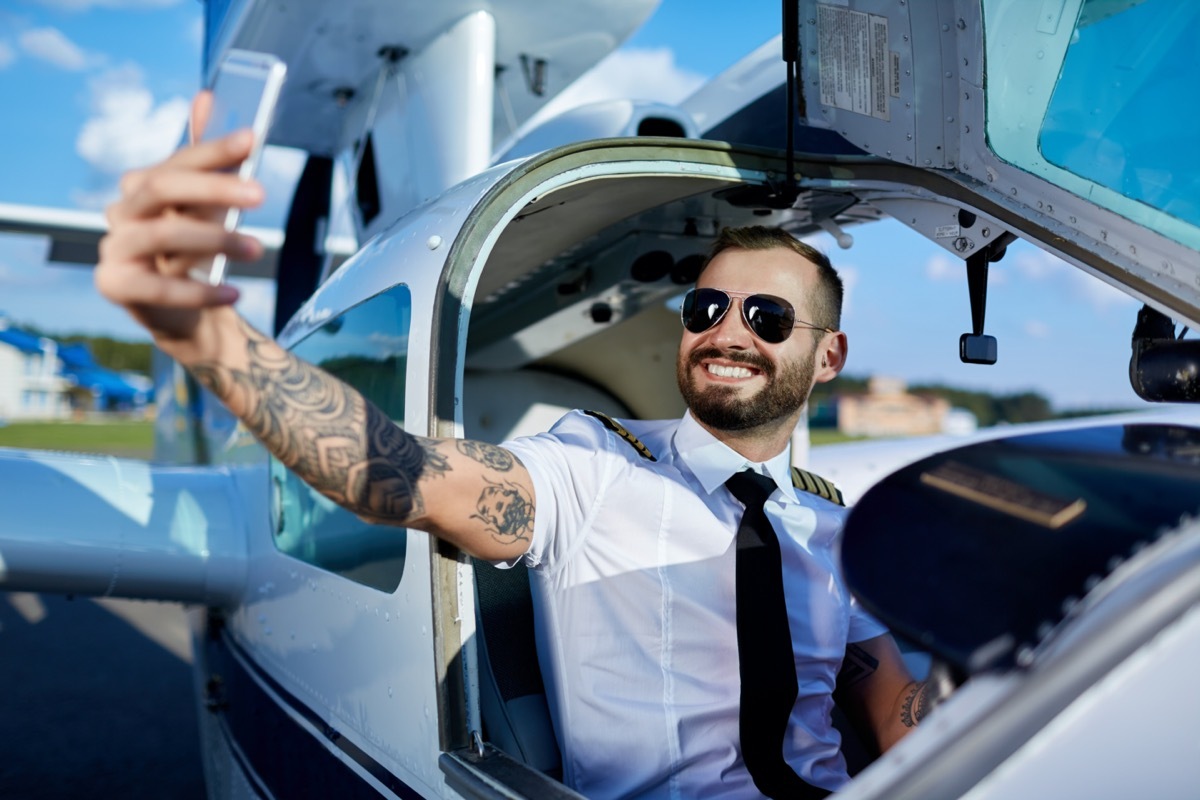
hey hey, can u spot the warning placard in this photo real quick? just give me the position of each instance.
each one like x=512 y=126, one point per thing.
x=855 y=64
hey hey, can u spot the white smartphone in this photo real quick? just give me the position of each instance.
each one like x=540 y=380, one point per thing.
x=245 y=92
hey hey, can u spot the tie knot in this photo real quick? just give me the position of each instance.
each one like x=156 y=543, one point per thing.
x=751 y=488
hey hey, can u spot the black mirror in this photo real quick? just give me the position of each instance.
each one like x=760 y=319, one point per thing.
x=977 y=349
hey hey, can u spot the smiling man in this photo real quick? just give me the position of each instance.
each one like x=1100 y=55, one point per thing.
x=749 y=394
x=637 y=554
x=691 y=619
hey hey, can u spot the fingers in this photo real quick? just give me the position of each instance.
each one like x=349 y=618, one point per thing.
x=158 y=190
x=141 y=241
x=189 y=178
x=135 y=288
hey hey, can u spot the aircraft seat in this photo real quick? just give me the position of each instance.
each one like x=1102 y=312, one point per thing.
x=512 y=698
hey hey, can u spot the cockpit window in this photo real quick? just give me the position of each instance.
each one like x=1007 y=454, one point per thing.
x=1097 y=96
x=979 y=553
x=367 y=347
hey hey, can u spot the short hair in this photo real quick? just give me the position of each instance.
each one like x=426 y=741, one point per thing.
x=825 y=307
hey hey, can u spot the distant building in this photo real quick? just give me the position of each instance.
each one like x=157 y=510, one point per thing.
x=32 y=385
x=43 y=379
x=888 y=409
x=100 y=389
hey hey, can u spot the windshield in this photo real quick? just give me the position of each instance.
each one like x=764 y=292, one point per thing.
x=1120 y=131
x=978 y=552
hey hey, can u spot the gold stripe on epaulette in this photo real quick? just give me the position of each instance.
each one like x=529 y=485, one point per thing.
x=621 y=431
x=815 y=484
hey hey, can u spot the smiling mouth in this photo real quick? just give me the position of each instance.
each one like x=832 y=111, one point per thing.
x=729 y=371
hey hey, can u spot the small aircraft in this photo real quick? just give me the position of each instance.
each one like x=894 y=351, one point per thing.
x=509 y=272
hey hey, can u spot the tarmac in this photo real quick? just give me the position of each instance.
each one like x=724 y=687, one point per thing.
x=97 y=700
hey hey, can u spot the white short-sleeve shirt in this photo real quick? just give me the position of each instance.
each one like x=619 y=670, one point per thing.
x=632 y=569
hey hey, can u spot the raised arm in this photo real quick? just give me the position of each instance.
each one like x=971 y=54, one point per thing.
x=475 y=495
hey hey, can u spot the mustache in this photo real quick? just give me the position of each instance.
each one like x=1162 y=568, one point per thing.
x=748 y=359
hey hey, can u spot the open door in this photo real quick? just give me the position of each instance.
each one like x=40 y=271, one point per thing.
x=1023 y=107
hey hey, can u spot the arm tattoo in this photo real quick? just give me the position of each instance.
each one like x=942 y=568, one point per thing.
x=857 y=665
x=916 y=705
x=326 y=432
x=489 y=455
x=506 y=510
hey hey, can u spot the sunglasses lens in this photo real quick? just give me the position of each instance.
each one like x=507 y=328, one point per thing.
x=769 y=317
x=703 y=308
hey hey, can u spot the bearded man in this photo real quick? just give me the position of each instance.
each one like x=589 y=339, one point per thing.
x=653 y=608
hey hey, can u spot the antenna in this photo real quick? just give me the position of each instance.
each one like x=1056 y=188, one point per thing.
x=791 y=47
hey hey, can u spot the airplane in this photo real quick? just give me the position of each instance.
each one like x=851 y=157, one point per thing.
x=511 y=270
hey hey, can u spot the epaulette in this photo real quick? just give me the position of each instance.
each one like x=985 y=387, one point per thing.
x=815 y=484
x=801 y=479
x=621 y=431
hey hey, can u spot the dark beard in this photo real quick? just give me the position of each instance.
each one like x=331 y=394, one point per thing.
x=719 y=408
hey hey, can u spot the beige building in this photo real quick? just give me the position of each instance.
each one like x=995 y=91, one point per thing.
x=887 y=409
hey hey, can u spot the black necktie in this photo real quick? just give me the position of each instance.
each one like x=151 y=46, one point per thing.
x=765 y=660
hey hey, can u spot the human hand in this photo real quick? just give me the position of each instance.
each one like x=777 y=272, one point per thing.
x=168 y=220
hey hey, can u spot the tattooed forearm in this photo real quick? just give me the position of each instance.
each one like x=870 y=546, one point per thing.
x=487 y=454
x=916 y=705
x=325 y=431
x=507 y=511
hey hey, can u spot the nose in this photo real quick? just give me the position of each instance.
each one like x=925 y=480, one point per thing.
x=731 y=332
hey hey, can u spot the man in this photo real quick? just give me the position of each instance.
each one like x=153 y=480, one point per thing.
x=631 y=540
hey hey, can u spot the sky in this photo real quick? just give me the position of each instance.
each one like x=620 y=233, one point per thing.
x=91 y=88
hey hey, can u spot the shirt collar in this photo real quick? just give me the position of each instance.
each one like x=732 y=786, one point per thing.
x=713 y=462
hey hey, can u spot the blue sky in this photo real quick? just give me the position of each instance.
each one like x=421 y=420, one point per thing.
x=93 y=87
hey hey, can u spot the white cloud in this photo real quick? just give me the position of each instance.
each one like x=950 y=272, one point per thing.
x=1040 y=266
x=127 y=128
x=637 y=73
x=7 y=54
x=941 y=268
x=51 y=46
x=1036 y=264
x=1036 y=329
x=1095 y=292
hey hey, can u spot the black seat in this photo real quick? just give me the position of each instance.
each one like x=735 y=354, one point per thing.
x=512 y=697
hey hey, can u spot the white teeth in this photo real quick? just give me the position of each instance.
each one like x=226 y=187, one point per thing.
x=728 y=372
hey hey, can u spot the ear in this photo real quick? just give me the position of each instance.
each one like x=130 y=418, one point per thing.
x=201 y=107
x=830 y=357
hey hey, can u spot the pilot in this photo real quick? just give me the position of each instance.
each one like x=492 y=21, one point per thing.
x=690 y=611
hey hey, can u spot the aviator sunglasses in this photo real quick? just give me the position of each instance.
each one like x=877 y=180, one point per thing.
x=768 y=317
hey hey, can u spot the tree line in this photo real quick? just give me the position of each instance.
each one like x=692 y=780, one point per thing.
x=989 y=409
x=114 y=354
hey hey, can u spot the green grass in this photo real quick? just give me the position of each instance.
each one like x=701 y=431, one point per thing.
x=820 y=436
x=135 y=439
x=125 y=438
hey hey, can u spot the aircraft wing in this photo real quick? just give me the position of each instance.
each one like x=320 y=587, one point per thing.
x=74 y=237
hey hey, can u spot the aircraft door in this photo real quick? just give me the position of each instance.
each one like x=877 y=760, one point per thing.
x=1066 y=122
x=337 y=625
